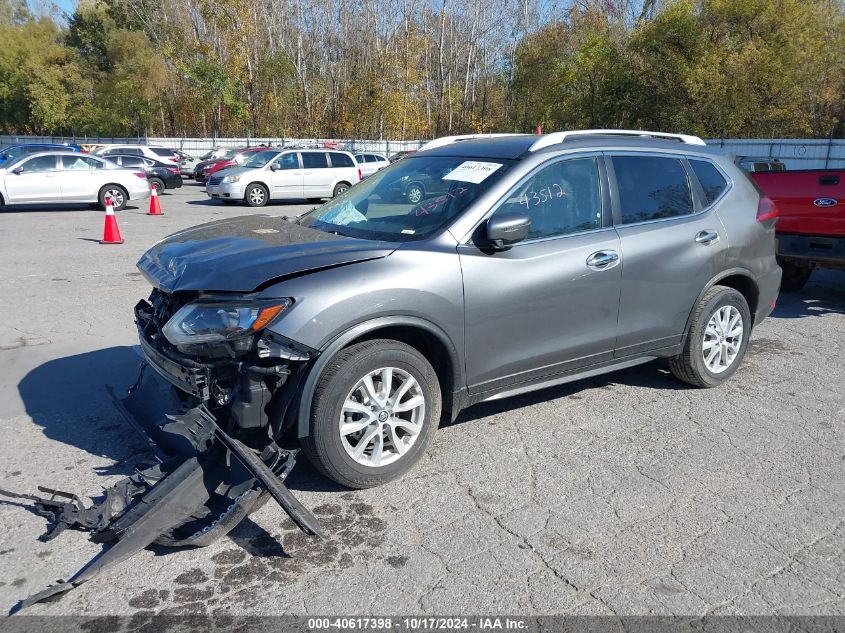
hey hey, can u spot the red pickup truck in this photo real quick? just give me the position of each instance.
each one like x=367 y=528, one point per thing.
x=811 y=223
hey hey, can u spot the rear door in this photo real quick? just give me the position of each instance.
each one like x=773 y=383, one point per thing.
x=286 y=177
x=549 y=304
x=77 y=178
x=672 y=246
x=36 y=181
x=317 y=177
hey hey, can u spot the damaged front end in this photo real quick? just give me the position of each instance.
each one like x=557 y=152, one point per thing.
x=214 y=431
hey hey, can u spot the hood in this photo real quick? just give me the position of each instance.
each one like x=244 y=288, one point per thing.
x=233 y=170
x=242 y=254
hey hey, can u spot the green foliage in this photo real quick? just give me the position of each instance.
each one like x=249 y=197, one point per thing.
x=310 y=68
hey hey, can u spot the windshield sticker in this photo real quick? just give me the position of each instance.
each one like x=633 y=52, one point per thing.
x=472 y=171
x=344 y=215
x=408 y=231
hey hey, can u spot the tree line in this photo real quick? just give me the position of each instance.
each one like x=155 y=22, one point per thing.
x=408 y=69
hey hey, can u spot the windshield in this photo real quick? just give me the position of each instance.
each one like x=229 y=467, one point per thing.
x=259 y=159
x=409 y=200
x=14 y=152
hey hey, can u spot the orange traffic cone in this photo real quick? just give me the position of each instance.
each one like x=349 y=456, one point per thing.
x=111 y=234
x=155 y=207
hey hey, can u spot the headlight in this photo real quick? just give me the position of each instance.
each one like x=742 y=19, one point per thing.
x=221 y=321
x=231 y=179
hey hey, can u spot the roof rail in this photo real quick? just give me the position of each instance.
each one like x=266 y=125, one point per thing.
x=559 y=137
x=448 y=140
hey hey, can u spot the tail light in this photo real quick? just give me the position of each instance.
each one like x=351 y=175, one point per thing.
x=174 y=170
x=140 y=174
x=766 y=209
x=360 y=175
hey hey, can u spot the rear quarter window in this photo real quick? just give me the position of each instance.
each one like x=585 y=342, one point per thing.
x=713 y=183
x=340 y=160
x=651 y=188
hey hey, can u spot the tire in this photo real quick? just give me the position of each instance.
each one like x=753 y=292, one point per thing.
x=330 y=453
x=690 y=365
x=340 y=188
x=794 y=277
x=118 y=195
x=157 y=182
x=256 y=195
x=414 y=193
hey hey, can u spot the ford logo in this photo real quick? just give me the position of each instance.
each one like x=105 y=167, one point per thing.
x=825 y=202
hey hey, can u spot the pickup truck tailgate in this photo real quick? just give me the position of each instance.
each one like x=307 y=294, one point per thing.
x=809 y=202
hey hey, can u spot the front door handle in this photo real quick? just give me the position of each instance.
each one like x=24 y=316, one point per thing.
x=707 y=237
x=602 y=260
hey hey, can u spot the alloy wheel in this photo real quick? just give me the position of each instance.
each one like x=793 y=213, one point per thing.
x=256 y=196
x=116 y=196
x=722 y=339
x=382 y=417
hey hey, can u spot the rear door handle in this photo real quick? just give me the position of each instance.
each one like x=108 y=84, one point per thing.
x=602 y=260
x=707 y=237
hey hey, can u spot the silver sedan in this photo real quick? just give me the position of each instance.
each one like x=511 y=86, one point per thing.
x=57 y=177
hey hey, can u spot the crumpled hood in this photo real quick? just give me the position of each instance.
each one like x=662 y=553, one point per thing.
x=241 y=254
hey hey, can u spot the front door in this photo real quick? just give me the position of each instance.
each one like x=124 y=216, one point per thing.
x=548 y=304
x=672 y=249
x=34 y=180
x=286 y=177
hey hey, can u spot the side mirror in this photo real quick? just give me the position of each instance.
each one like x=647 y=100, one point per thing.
x=18 y=170
x=504 y=229
x=273 y=166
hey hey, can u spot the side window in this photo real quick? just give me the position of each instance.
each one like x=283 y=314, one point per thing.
x=341 y=160
x=133 y=161
x=652 y=188
x=711 y=179
x=561 y=198
x=369 y=158
x=314 y=160
x=40 y=163
x=287 y=161
x=80 y=162
x=360 y=158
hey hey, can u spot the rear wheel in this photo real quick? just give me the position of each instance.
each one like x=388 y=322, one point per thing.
x=118 y=196
x=414 y=193
x=256 y=196
x=374 y=413
x=157 y=184
x=340 y=188
x=717 y=339
x=794 y=277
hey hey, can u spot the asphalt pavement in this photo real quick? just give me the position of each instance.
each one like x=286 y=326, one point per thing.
x=626 y=494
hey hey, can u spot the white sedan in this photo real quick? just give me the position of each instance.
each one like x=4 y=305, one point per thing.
x=57 y=177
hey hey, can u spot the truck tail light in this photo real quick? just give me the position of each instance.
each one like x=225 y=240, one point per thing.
x=766 y=210
x=360 y=175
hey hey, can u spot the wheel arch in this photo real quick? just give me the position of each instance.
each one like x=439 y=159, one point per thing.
x=426 y=337
x=741 y=280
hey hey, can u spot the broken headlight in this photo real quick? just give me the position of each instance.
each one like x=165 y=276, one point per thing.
x=216 y=322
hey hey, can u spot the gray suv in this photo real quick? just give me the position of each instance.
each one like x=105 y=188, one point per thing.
x=529 y=261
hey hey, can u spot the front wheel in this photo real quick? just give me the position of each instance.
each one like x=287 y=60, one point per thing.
x=256 y=196
x=717 y=339
x=374 y=413
x=794 y=277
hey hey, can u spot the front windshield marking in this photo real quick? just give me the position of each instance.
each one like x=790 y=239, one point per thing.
x=410 y=200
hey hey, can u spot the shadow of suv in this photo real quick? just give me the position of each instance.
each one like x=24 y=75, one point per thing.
x=523 y=262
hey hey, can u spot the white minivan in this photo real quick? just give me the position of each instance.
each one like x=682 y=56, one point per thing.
x=285 y=175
